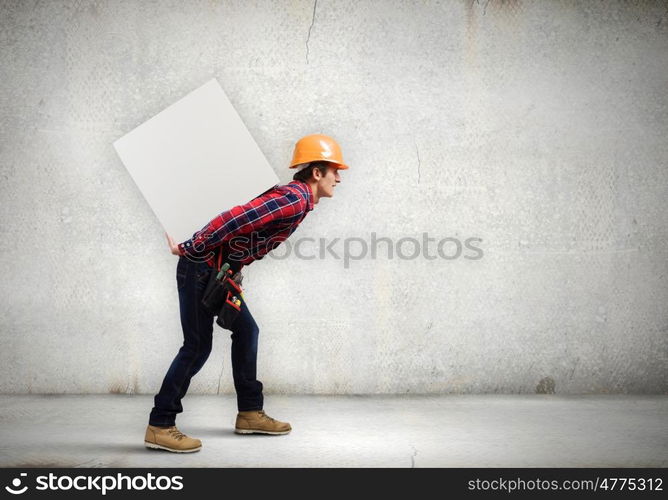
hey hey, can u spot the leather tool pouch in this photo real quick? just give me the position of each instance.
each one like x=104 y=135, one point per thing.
x=222 y=295
x=230 y=309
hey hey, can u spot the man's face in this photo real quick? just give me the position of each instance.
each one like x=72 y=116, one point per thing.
x=327 y=182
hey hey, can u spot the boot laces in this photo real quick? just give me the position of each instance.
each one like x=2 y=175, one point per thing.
x=177 y=434
x=265 y=416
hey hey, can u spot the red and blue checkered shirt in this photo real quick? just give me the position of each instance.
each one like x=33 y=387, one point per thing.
x=245 y=233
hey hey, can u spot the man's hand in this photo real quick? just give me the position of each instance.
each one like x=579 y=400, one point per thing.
x=173 y=247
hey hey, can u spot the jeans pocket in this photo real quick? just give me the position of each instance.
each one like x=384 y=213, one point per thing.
x=204 y=273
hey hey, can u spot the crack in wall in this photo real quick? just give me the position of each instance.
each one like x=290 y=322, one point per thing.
x=484 y=10
x=315 y=5
x=419 y=162
x=661 y=18
x=415 y=452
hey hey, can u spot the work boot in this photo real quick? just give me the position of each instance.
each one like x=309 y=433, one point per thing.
x=258 y=422
x=170 y=439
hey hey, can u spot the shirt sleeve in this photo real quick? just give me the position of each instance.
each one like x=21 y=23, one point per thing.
x=273 y=205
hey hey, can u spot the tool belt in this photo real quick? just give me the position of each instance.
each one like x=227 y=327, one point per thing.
x=222 y=295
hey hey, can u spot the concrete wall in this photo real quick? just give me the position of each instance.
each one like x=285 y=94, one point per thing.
x=538 y=127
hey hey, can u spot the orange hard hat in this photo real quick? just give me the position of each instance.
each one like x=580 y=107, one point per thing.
x=317 y=147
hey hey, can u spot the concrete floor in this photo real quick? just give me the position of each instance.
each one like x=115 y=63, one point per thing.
x=339 y=431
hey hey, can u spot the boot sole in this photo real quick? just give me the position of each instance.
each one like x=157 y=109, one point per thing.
x=154 y=446
x=255 y=431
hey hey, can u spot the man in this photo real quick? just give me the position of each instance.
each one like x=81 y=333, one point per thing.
x=243 y=234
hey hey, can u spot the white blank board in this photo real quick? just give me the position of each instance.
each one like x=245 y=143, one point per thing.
x=194 y=160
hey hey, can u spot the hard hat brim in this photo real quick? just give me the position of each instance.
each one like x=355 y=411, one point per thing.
x=340 y=166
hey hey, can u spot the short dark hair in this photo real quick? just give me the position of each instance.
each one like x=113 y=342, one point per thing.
x=305 y=174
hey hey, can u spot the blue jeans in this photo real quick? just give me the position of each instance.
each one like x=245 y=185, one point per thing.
x=197 y=324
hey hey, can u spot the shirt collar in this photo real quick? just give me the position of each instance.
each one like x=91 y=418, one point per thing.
x=306 y=191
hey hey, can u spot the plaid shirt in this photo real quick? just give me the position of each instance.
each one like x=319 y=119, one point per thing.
x=245 y=233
